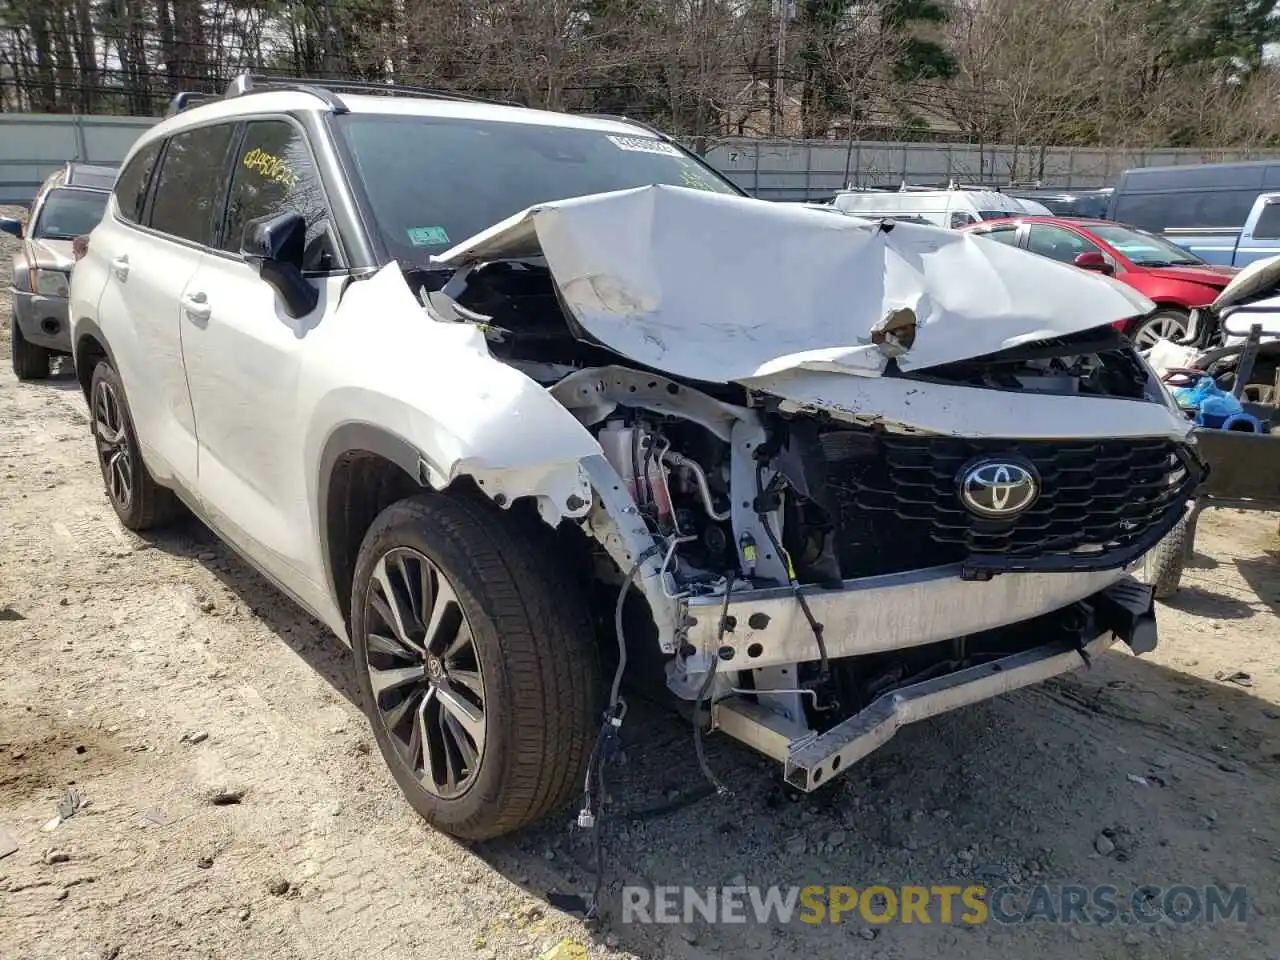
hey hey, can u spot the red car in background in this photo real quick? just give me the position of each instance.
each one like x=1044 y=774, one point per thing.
x=1177 y=280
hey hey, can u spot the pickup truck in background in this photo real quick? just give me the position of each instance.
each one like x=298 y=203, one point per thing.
x=1258 y=239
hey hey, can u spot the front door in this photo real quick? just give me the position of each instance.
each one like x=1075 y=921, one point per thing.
x=244 y=354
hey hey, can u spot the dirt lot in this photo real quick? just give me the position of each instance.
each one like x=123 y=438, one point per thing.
x=232 y=806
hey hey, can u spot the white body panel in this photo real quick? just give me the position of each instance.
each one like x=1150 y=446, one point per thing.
x=270 y=391
x=141 y=278
x=238 y=406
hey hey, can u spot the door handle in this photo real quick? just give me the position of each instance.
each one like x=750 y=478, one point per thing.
x=120 y=267
x=196 y=306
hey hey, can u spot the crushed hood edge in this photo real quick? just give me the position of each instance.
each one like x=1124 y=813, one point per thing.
x=724 y=289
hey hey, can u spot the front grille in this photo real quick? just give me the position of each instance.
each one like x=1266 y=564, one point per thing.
x=896 y=500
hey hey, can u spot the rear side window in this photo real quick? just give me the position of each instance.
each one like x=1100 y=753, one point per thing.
x=1007 y=234
x=131 y=187
x=274 y=174
x=1208 y=209
x=1268 y=225
x=1057 y=243
x=189 y=189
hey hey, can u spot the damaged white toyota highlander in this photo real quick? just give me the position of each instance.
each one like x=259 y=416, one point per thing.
x=535 y=408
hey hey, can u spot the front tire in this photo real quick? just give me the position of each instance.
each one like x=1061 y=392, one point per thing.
x=137 y=499
x=30 y=362
x=1162 y=567
x=1168 y=323
x=476 y=661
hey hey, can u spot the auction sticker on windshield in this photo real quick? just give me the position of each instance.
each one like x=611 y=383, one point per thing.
x=428 y=237
x=644 y=145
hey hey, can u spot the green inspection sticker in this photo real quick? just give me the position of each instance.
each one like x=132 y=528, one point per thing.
x=428 y=236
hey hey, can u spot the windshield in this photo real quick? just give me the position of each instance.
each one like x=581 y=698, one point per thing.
x=67 y=213
x=435 y=181
x=1144 y=249
x=999 y=214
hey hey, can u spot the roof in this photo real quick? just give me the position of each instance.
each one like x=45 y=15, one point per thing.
x=1086 y=222
x=92 y=176
x=277 y=101
x=1221 y=165
x=292 y=101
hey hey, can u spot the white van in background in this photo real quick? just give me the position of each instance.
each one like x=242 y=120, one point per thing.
x=953 y=207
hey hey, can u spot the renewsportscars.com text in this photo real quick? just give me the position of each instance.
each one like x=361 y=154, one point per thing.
x=942 y=904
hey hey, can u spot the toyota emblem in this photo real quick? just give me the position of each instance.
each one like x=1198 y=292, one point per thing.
x=1000 y=489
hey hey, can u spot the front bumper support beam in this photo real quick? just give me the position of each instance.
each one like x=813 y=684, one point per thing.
x=1124 y=611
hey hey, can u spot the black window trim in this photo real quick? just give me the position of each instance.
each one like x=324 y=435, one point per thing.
x=148 y=201
x=354 y=202
x=159 y=143
x=341 y=260
x=240 y=122
x=148 y=206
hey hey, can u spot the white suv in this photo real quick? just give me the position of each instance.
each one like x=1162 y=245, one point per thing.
x=498 y=394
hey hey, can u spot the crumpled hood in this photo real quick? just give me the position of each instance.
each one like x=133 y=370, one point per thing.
x=721 y=288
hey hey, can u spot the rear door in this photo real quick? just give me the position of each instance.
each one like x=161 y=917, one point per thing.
x=243 y=354
x=153 y=248
x=1261 y=235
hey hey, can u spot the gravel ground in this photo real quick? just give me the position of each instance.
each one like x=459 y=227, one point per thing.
x=233 y=806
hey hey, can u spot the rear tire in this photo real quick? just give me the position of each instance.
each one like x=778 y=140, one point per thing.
x=30 y=362
x=137 y=499
x=504 y=688
x=1163 y=566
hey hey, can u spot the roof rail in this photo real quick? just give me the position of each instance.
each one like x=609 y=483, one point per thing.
x=187 y=98
x=620 y=118
x=328 y=90
x=985 y=187
x=247 y=83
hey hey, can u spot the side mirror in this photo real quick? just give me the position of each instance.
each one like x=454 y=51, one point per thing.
x=10 y=225
x=274 y=246
x=1092 y=260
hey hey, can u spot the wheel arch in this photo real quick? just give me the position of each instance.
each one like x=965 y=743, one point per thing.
x=89 y=346
x=363 y=468
x=1168 y=303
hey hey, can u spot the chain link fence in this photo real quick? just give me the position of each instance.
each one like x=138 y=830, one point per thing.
x=816 y=169
x=33 y=145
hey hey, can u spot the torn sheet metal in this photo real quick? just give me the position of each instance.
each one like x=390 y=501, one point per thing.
x=437 y=387
x=722 y=288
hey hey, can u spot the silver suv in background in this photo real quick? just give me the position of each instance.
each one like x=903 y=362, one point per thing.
x=68 y=205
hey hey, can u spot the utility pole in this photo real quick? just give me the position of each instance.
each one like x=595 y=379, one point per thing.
x=780 y=69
